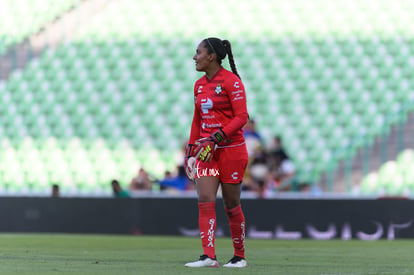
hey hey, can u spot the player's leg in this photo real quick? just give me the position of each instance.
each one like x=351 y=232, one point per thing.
x=231 y=199
x=207 y=190
x=232 y=169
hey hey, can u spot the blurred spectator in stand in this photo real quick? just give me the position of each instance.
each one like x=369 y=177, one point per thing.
x=282 y=168
x=252 y=137
x=174 y=183
x=259 y=171
x=117 y=190
x=141 y=182
x=177 y=181
x=256 y=166
x=55 y=191
x=179 y=157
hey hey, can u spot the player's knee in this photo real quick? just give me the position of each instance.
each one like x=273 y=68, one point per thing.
x=206 y=197
x=231 y=203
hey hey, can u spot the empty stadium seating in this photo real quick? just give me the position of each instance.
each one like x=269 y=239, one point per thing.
x=394 y=177
x=21 y=18
x=328 y=76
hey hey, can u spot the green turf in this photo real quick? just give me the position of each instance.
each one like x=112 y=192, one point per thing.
x=102 y=254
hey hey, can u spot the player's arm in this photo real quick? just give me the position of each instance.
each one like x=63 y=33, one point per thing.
x=194 y=136
x=189 y=161
x=195 y=126
x=237 y=97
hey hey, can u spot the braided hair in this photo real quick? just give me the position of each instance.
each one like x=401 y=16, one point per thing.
x=221 y=48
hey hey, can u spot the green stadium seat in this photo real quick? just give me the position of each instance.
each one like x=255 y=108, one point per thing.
x=406 y=157
x=370 y=185
x=31 y=16
x=327 y=91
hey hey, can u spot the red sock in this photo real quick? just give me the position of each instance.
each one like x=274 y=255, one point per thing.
x=237 y=229
x=207 y=225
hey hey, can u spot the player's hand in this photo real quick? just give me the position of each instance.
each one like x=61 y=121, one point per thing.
x=189 y=161
x=207 y=146
x=190 y=168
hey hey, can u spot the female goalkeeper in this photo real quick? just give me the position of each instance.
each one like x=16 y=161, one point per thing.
x=216 y=153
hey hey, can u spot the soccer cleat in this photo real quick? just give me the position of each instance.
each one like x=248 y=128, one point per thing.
x=204 y=261
x=236 y=262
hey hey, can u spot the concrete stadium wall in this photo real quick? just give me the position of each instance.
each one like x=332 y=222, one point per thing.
x=267 y=219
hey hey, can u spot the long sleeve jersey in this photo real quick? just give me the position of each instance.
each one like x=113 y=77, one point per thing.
x=220 y=102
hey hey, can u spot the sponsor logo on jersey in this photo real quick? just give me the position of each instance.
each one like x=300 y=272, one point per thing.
x=218 y=89
x=236 y=85
x=212 y=125
x=206 y=172
x=235 y=175
x=206 y=104
x=199 y=89
x=238 y=94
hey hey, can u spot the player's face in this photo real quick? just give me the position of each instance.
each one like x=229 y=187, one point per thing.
x=202 y=58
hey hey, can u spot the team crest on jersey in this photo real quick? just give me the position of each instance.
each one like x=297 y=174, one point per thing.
x=199 y=89
x=218 y=89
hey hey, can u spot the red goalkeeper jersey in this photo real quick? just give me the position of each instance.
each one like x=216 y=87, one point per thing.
x=220 y=102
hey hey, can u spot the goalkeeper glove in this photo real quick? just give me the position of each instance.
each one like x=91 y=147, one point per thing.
x=190 y=161
x=207 y=146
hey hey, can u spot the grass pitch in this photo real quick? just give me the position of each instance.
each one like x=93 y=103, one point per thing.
x=103 y=254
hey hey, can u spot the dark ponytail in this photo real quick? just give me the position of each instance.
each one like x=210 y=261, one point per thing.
x=227 y=45
x=221 y=48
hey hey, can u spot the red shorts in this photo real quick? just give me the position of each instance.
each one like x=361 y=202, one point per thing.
x=228 y=164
